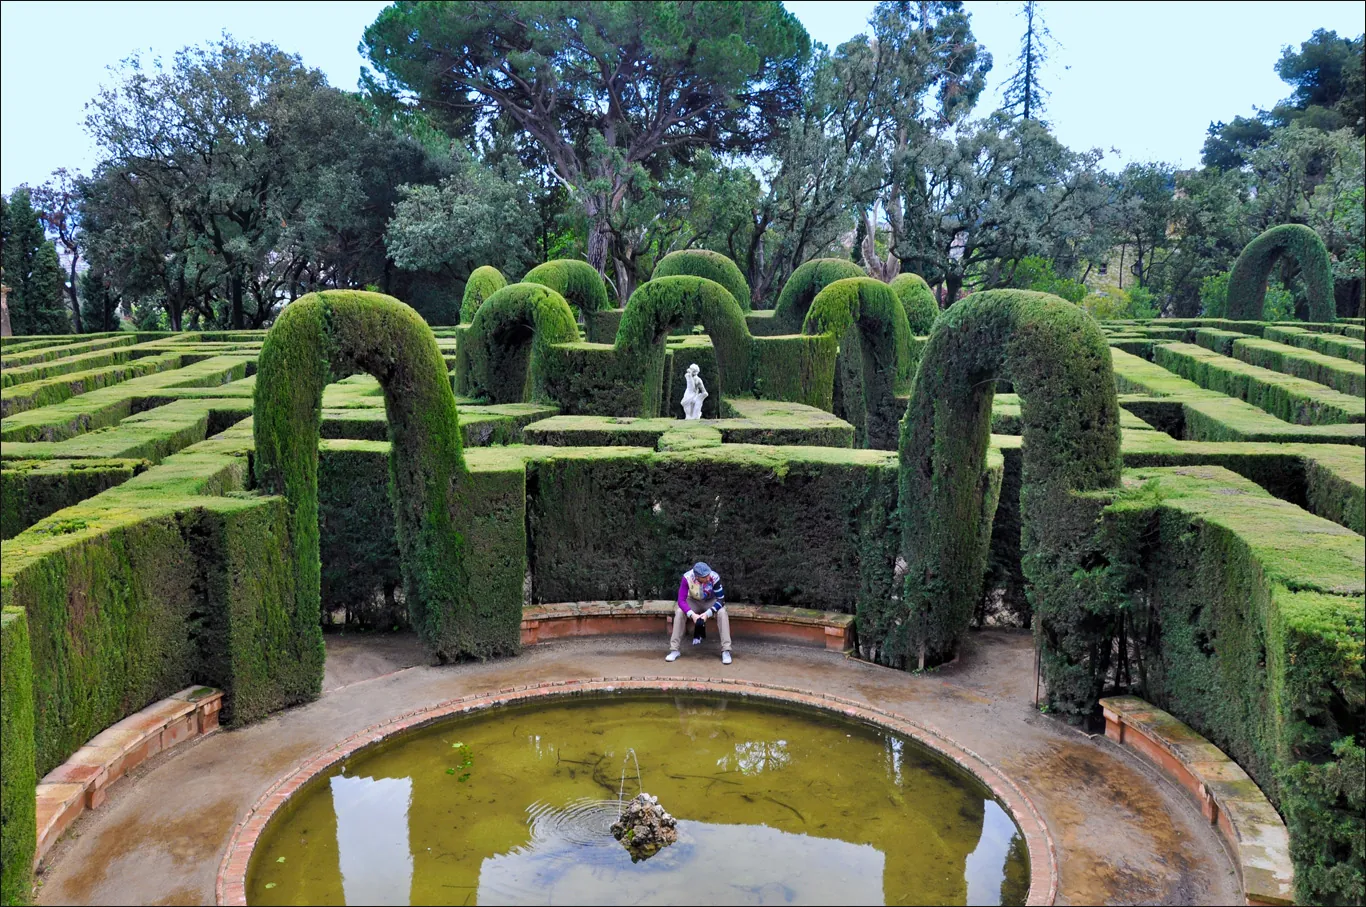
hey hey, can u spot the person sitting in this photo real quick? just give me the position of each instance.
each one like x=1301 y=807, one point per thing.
x=700 y=597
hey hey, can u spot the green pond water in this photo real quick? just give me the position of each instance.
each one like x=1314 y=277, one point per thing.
x=775 y=805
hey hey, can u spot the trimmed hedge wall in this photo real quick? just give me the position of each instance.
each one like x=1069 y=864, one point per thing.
x=33 y=489
x=577 y=281
x=327 y=335
x=1057 y=358
x=1339 y=374
x=1247 y=280
x=803 y=286
x=507 y=345
x=708 y=264
x=1327 y=344
x=18 y=776
x=922 y=309
x=484 y=281
x=875 y=354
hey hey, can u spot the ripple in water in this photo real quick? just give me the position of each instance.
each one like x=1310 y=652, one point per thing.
x=580 y=823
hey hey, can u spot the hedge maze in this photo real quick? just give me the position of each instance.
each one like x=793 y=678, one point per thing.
x=1177 y=508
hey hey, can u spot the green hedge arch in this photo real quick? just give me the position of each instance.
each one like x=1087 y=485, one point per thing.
x=708 y=264
x=874 y=361
x=484 y=282
x=663 y=305
x=922 y=309
x=325 y=336
x=577 y=281
x=1059 y=362
x=508 y=341
x=1247 y=281
x=803 y=286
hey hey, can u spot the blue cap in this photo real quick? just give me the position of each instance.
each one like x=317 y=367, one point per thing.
x=700 y=570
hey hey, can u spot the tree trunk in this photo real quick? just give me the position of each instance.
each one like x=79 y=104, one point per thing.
x=235 y=288
x=952 y=284
x=75 y=301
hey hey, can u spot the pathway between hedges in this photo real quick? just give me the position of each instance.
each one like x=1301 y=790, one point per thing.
x=1123 y=834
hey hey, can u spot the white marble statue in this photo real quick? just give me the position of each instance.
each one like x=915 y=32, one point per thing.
x=695 y=393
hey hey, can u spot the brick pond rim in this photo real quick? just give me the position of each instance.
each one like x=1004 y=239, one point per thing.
x=1101 y=826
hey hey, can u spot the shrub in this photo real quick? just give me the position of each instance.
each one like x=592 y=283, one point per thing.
x=577 y=281
x=801 y=288
x=483 y=282
x=18 y=774
x=509 y=340
x=1214 y=295
x=1059 y=362
x=875 y=355
x=1033 y=272
x=708 y=264
x=918 y=300
x=324 y=336
x=1248 y=279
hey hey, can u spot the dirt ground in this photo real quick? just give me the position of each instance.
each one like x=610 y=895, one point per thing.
x=1124 y=835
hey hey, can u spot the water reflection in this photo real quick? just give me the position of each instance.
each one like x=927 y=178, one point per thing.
x=986 y=865
x=710 y=864
x=372 y=838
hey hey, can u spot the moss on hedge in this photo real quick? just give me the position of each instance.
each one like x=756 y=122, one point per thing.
x=18 y=775
x=1057 y=358
x=483 y=282
x=577 y=281
x=33 y=489
x=922 y=309
x=875 y=359
x=708 y=264
x=803 y=286
x=1247 y=280
x=507 y=346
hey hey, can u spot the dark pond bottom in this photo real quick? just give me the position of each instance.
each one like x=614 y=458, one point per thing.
x=776 y=805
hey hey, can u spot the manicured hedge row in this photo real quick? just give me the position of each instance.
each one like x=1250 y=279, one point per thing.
x=1246 y=618
x=1285 y=397
x=508 y=342
x=922 y=309
x=1058 y=360
x=1247 y=280
x=34 y=352
x=577 y=281
x=52 y=369
x=33 y=489
x=18 y=398
x=801 y=289
x=711 y=265
x=1327 y=344
x=1338 y=374
x=483 y=282
x=18 y=824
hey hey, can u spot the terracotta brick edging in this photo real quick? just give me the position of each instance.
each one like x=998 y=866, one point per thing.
x=1254 y=832
x=82 y=781
x=231 y=886
x=832 y=630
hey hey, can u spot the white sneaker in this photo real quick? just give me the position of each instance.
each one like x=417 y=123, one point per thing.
x=696 y=641
x=725 y=658
x=672 y=656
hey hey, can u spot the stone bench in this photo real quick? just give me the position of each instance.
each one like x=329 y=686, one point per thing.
x=82 y=782
x=1228 y=797
x=796 y=626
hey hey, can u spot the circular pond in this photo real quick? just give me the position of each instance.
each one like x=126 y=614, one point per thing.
x=513 y=805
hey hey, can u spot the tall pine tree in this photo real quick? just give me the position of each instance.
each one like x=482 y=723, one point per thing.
x=1024 y=95
x=32 y=272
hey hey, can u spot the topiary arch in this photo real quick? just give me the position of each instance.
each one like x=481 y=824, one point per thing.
x=508 y=340
x=875 y=359
x=666 y=304
x=1247 y=281
x=922 y=309
x=708 y=264
x=807 y=281
x=483 y=283
x=577 y=281
x=1058 y=360
x=316 y=340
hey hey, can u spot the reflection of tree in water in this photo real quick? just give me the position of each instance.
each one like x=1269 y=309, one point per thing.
x=1015 y=885
x=755 y=756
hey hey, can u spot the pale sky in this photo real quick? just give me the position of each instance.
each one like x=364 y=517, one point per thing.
x=1144 y=78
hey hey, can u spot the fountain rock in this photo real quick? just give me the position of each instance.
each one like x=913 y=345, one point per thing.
x=645 y=827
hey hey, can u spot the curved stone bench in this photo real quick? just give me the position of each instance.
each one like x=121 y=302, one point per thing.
x=82 y=782
x=794 y=626
x=1228 y=797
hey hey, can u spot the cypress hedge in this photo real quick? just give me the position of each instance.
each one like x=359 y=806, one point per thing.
x=875 y=354
x=507 y=345
x=1247 y=280
x=1058 y=360
x=484 y=281
x=325 y=336
x=803 y=286
x=918 y=300
x=18 y=774
x=708 y=264
x=577 y=281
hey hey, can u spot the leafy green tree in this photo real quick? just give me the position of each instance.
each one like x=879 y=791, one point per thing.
x=57 y=204
x=1023 y=93
x=31 y=270
x=1227 y=145
x=611 y=91
x=1326 y=73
